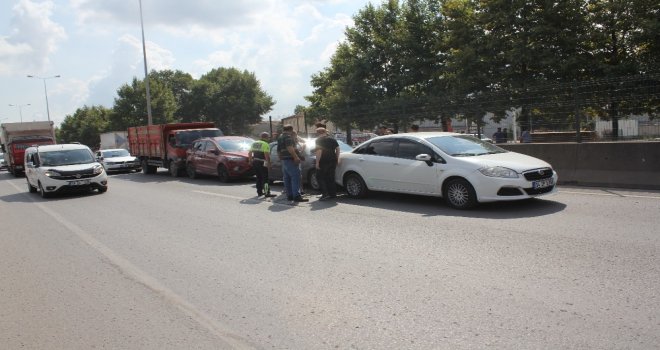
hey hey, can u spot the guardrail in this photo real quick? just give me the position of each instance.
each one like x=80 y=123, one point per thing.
x=608 y=164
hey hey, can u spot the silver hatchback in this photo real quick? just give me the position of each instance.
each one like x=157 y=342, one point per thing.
x=308 y=166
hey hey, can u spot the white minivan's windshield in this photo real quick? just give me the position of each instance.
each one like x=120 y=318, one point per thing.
x=66 y=157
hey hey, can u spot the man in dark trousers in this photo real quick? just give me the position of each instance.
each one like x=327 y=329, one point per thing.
x=259 y=157
x=327 y=158
x=290 y=160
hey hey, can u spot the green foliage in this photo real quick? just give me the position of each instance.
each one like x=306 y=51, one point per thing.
x=130 y=107
x=233 y=99
x=84 y=126
x=226 y=96
x=435 y=59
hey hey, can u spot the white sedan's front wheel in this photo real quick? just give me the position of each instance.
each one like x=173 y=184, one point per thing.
x=460 y=194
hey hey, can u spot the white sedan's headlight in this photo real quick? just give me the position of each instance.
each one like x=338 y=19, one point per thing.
x=498 y=171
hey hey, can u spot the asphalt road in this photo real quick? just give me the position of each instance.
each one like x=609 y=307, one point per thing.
x=164 y=263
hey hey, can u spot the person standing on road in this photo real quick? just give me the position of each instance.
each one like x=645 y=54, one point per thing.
x=301 y=150
x=259 y=157
x=287 y=152
x=327 y=158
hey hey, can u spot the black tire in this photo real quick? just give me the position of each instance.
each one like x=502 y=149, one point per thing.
x=103 y=189
x=31 y=188
x=145 y=166
x=223 y=174
x=191 y=171
x=355 y=186
x=313 y=180
x=174 y=170
x=459 y=194
x=43 y=192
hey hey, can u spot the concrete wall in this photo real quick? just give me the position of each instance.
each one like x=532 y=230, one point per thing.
x=608 y=164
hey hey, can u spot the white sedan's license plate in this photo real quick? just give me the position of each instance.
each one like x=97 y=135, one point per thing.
x=542 y=183
x=78 y=182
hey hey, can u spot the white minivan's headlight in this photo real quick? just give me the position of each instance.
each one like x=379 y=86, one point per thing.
x=498 y=171
x=51 y=173
x=98 y=169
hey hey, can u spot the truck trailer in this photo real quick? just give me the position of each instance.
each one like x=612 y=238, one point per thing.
x=165 y=145
x=16 y=137
x=114 y=139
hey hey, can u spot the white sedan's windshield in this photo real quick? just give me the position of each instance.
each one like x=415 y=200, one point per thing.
x=115 y=153
x=464 y=145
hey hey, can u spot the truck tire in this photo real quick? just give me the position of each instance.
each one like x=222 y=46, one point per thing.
x=145 y=166
x=148 y=169
x=173 y=169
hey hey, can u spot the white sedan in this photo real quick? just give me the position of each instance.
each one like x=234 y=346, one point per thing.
x=460 y=168
x=118 y=159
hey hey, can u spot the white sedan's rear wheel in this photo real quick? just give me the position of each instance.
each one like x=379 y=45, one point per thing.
x=355 y=186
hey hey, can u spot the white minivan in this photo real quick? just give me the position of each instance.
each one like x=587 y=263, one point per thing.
x=63 y=168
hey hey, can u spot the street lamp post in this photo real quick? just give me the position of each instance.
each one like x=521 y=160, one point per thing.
x=146 y=72
x=45 y=90
x=20 y=109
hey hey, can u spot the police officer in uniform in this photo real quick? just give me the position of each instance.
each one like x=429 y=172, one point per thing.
x=259 y=157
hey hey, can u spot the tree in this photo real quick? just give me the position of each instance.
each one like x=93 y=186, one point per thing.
x=231 y=98
x=180 y=84
x=85 y=126
x=130 y=107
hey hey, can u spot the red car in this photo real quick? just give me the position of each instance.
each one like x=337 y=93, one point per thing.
x=224 y=156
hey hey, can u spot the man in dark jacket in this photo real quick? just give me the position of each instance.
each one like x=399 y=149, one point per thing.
x=327 y=158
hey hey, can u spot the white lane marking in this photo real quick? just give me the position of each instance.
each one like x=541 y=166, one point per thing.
x=134 y=273
x=222 y=195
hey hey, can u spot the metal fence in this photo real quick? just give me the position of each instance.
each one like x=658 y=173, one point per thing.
x=617 y=108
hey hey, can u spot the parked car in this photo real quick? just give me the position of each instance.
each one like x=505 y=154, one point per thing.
x=224 y=156
x=460 y=168
x=118 y=159
x=3 y=165
x=308 y=168
x=63 y=168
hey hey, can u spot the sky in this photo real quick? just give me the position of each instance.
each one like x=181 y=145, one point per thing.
x=95 y=46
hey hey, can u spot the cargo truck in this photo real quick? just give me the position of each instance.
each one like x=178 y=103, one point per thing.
x=16 y=137
x=165 y=145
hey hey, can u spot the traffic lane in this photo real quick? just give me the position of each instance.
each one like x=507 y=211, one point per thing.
x=58 y=293
x=383 y=218
x=286 y=287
